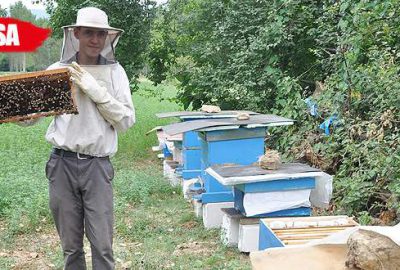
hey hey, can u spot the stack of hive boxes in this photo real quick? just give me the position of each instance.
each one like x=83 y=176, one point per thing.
x=260 y=193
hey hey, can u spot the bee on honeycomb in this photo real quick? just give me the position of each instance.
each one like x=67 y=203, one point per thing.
x=36 y=94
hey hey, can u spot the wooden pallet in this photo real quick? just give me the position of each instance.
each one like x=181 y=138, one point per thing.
x=36 y=94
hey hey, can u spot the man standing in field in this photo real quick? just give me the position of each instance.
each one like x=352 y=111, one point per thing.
x=79 y=169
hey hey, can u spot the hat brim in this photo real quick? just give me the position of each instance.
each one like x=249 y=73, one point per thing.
x=103 y=27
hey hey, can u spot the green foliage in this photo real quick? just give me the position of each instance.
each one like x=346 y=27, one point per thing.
x=363 y=87
x=364 y=218
x=162 y=47
x=269 y=56
x=49 y=52
x=3 y=12
x=20 y=11
x=3 y=62
x=243 y=54
x=133 y=17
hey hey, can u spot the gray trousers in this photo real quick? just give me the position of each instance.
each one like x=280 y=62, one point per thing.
x=81 y=200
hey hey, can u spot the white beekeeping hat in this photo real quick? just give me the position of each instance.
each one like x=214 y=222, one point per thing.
x=93 y=18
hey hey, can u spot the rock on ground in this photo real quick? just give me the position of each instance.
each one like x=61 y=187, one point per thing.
x=369 y=250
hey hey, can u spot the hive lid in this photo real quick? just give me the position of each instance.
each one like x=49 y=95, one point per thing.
x=202 y=115
x=228 y=123
x=242 y=174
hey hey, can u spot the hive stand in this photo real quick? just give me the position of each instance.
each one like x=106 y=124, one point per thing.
x=240 y=231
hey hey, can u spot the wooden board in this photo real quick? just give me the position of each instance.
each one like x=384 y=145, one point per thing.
x=320 y=257
x=36 y=94
x=162 y=137
x=310 y=219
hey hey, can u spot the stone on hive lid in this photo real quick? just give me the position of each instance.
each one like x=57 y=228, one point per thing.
x=271 y=160
x=210 y=109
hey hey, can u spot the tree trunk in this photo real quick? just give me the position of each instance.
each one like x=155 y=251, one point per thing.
x=24 y=62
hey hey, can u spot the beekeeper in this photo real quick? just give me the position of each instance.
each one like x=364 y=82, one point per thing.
x=79 y=169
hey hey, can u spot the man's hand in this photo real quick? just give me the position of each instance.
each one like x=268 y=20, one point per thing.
x=88 y=84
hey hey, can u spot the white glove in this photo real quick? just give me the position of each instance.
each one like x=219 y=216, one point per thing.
x=88 y=84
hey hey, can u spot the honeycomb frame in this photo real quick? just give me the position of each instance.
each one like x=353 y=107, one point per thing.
x=36 y=94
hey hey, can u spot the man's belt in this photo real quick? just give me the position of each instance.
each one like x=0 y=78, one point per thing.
x=65 y=153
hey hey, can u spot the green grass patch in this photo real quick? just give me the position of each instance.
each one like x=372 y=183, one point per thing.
x=23 y=186
x=135 y=145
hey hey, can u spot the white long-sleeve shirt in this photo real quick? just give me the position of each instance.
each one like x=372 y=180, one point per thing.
x=94 y=130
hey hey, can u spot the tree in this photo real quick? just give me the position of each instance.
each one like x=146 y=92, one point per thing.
x=3 y=57
x=162 y=51
x=18 y=61
x=237 y=54
x=20 y=11
x=3 y=12
x=49 y=52
x=132 y=16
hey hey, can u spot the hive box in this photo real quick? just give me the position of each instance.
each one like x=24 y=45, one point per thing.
x=240 y=146
x=282 y=232
x=269 y=193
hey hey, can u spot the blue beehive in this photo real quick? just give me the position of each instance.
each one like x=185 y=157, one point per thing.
x=240 y=146
x=274 y=186
x=166 y=152
x=191 y=155
x=238 y=141
x=191 y=147
x=277 y=192
x=191 y=140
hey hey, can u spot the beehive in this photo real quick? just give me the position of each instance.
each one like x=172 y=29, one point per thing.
x=36 y=94
x=281 y=232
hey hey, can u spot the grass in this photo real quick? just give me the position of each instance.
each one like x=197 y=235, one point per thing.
x=155 y=227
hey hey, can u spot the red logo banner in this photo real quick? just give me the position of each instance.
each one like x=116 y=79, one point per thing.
x=21 y=36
